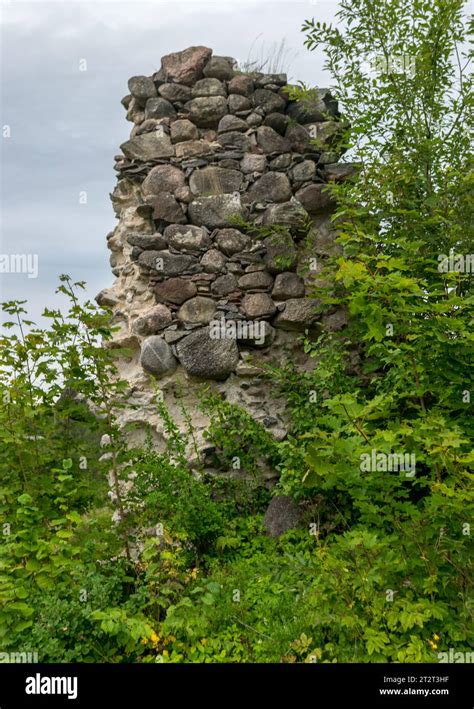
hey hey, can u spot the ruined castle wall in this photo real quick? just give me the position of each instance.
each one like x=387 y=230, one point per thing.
x=197 y=296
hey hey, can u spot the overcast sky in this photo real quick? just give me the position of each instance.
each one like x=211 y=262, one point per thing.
x=66 y=125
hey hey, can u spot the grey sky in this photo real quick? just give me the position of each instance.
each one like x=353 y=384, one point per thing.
x=66 y=125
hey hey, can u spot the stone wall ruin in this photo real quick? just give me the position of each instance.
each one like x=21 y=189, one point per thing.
x=211 y=152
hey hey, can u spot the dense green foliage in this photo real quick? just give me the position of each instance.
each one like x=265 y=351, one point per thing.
x=380 y=568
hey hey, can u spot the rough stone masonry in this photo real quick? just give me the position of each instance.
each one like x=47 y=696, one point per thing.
x=197 y=297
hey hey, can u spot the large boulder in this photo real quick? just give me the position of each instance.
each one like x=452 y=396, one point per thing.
x=277 y=121
x=175 y=92
x=253 y=163
x=193 y=149
x=303 y=171
x=147 y=242
x=166 y=209
x=166 y=263
x=258 y=305
x=186 y=67
x=257 y=280
x=216 y=211
x=208 y=87
x=231 y=123
x=316 y=198
x=206 y=112
x=163 y=178
x=141 y=88
x=186 y=237
x=175 y=290
x=148 y=146
x=182 y=130
x=234 y=140
x=273 y=79
x=213 y=261
x=288 y=285
x=148 y=126
x=215 y=180
x=238 y=103
x=204 y=357
x=151 y=322
x=159 y=108
x=106 y=298
x=156 y=357
x=271 y=187
x=272 y=142
x=197 y=310
x=223 y=285
x=299 y=139
x=282 y=515
x=269 y=101
x=219 y=68
x=298 y=314
x=289 y=214
x=242 y=85
x=280 y=162
x=232 y=241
